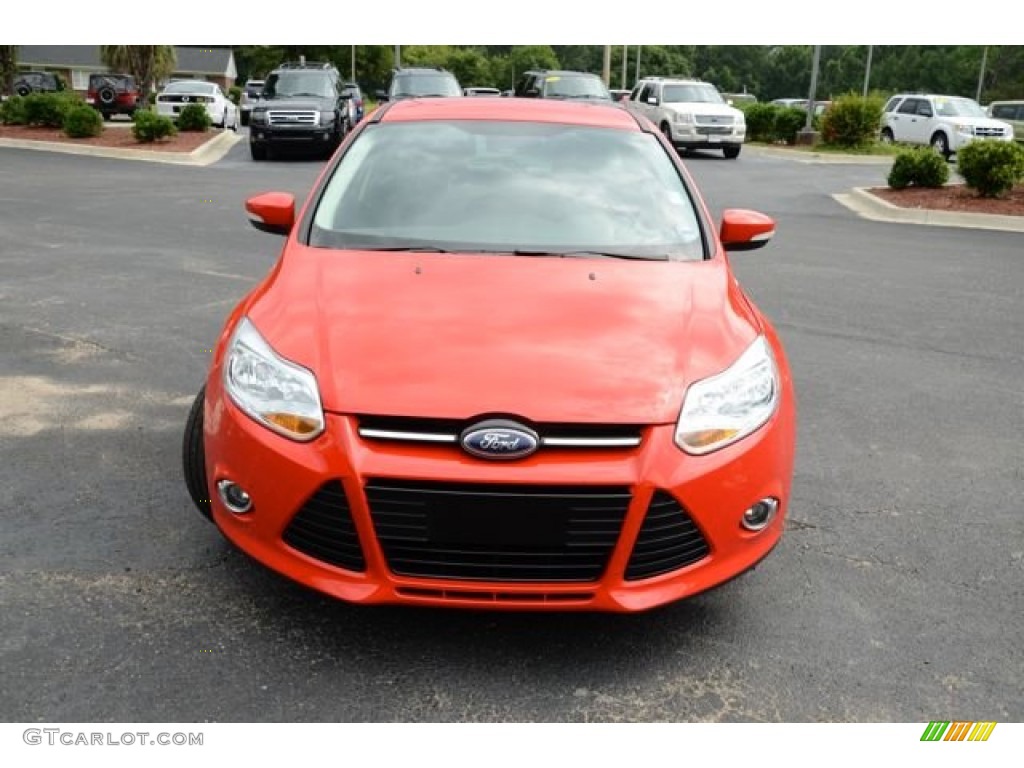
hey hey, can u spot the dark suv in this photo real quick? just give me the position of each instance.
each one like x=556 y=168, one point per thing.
x=302 y=104
x=562 y=84
x=113 y=95
x=420 y=83
x=37 y=82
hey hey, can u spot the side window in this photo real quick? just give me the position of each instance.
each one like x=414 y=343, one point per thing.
x=635 y=95
x=909 y=107
x=924 y=108
x=890 y=105
x=646 y=92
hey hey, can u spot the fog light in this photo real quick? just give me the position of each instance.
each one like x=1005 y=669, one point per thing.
x=759 y=515
x=234 y=498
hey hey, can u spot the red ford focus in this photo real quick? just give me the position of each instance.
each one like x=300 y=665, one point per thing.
x=501 y=362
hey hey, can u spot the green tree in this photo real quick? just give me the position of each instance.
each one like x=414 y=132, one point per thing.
x=8 y=66
x=148 y=64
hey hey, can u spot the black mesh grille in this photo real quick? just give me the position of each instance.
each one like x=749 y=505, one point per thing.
x=668 y=540
x=323 y=529
x=521 y=533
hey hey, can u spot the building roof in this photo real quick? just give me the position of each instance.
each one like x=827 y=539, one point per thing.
x=196 y=60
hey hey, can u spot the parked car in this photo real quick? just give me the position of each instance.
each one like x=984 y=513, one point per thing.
x=739 y=100
x=113 y=94
x=419 y=83
x=502 y=362
x=250 y=95
x=619 y=94
x=1011 y=112
x=946 y=123
x=691 y=113
x=355 y=102
x=479 y=91
x=178 y=94
x=37 y=82
x=562 y=84
x=303 y=104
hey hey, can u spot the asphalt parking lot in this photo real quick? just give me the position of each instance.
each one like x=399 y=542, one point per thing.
x=895 y=595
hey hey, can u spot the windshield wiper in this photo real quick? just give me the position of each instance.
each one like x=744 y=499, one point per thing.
x=584 y=254
x=405 y=248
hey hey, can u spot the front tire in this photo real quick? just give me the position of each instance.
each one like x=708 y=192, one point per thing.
x=887 y=137
x=941 y=145
x=193 y=457
x=731 y=153
x=258 y=152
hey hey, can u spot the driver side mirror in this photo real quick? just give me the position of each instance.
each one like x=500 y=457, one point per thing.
x=652 y=100
x=744 y=230
x=272 y=212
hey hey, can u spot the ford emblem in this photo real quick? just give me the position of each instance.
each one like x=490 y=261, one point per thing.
x=499 y=439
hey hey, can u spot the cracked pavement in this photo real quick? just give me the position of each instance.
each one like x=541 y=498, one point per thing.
x=895 y=595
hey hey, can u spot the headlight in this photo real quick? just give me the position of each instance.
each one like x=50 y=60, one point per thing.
x=280 y=395
x=326 y=118
x=258 y=116
x=683 y=117
x=964 y=129
x=722 y=409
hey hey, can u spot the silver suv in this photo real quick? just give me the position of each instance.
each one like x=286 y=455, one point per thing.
x=691 y=113
x=944 y=122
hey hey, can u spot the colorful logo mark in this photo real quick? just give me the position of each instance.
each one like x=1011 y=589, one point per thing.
x=959 y=731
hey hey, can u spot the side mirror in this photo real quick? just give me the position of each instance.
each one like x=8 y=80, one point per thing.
x=744 y=230
x=382 y=95
x=533 y=93
x=272 y=212
x=652 y=100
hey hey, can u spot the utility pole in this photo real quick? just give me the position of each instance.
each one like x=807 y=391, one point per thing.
x=867 y=72
x=981 y=76
x=808 y=135
x=637 y=78
x=625 y=64
x=398 y=56
x=353 y=63
x=606 y=68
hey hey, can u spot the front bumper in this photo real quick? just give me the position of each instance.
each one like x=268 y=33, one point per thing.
x=694 y=136
x=263 y=134
x=284 y=477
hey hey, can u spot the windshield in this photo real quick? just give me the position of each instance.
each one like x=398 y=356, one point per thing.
x=425 y=85
x=489 y=186
x=672 y=94
x=315 y=84
x=958 y=107
x=575 y=87
x=187 y=87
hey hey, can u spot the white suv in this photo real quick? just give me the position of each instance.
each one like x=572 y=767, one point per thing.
x=944 y=122
x=691 y=113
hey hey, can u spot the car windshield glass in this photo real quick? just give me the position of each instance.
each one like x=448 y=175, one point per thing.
x=672 y=94
x=189 y=88
x=503 y=187
x=425 y=85
x=315 y=84
x=575 y=87
x=958 y=108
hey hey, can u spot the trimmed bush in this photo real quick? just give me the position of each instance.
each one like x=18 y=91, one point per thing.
x=918 y=167
x=760 y=121
x=851 y=121
x=235 y=94
x=149 y=126
x=12 y=111
x=82 y=121
x=991 y=167
x=194 y=117
x=49 y=109
x=788 y=123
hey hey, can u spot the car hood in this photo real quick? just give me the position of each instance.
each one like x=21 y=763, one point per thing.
x=546 y=339
x=295 y=102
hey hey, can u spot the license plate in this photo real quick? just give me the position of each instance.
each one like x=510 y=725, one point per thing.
x=714 y=139
x=90 y=101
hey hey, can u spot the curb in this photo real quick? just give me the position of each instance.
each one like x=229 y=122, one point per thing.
x=825 y=158
x=868 y=206
x=206 y=154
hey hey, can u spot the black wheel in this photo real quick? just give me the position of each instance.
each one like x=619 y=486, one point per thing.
x=106 y=95
x=23 y=90
x=665 y=129
x=223 y=120
x=193 y=457
x=106 y=115
x=731 y=153
x=887 y=137
x=244 y=119
x=941 y=145
x=258 y=152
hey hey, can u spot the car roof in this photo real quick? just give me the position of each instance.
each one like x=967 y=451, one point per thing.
x=515 y=110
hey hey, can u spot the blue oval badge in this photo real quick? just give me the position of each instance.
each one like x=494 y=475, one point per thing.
x=499 y=439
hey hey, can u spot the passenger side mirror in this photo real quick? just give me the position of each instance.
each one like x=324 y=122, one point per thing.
x=744 y=230
x=272 y=212
x=652 y=100
x=382 y=95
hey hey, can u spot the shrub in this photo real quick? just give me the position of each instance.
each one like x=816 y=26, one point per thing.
x=12 y=111
x=851 y=121
x=760 y=121
x=918 y=167
x=149 y=126
x=50 y=108
x=788 y=122
x=235 y=94
x=82 y=121
x=194 y=117
x=991 y=167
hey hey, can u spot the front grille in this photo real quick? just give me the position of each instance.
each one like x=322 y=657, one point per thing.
x=292 y=117
x=668 y=540
x=988 y=132
x=511 y=533
x=552 y=434
x=703 y=120
x=323 y=529
x=173 y=98
x=714 y=130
